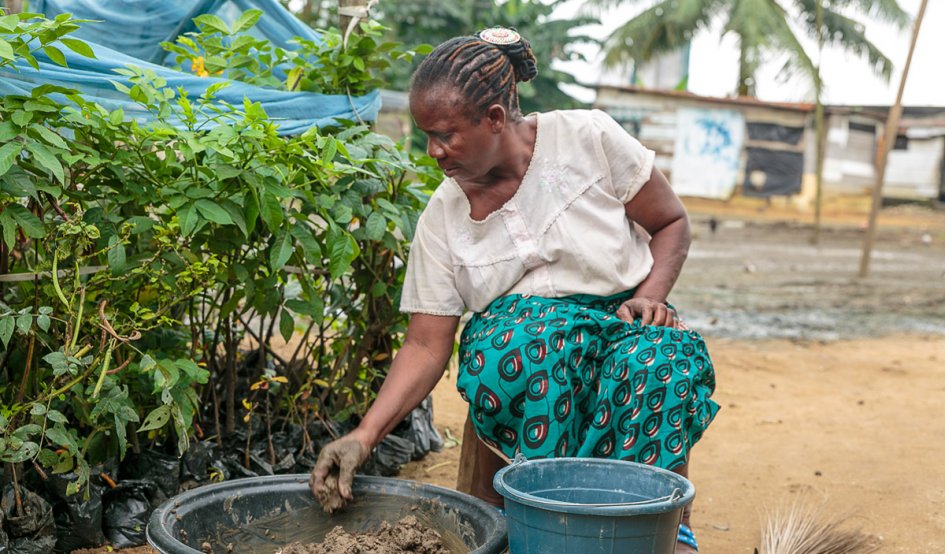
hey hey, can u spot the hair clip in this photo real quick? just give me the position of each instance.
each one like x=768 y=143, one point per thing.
x=500 y=36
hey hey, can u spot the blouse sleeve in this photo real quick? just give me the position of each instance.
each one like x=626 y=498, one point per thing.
x=630 y=163
x=429 y=285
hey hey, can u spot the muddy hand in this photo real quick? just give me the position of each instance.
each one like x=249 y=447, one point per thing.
x=649 y=312
x=339 y=458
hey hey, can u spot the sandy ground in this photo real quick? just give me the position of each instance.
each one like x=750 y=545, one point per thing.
x=831 y=386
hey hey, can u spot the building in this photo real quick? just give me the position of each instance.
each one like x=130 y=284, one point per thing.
x=720 y=147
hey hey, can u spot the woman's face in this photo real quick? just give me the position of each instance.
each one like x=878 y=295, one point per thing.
x=464 y=149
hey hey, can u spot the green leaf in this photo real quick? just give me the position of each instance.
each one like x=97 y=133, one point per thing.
x=49 y=136
x=156 y=419
x=212 y=211
x=55 y=55
x=78 y=46
x=38 y=410
x=46 y=159
x=147 y=362
x=286 y=325
x=213 y=22
x=376 y=226
x=7 y=131
x=281 y=251
x=6 y=51
x=247 y=20
x=8 y=154
x=56 y=417
x=24 y=451
x=342 y=251
x=7 y=325
x=63 y=438
x=8 y=22
x=23 y=323
x=188 y=219
x=43 y=321
x=271 y=212
x=21 y=117
x=294 y=78
x=116 y=255
x=28 y=221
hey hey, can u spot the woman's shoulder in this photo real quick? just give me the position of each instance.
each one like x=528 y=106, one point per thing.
x=577 y=123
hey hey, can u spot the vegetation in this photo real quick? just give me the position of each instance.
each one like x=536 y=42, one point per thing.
x=149 y=266
x=765 y=29
x=433 y=22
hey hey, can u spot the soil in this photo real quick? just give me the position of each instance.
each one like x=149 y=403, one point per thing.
x=408 y=536
x=328 y=496
x=831 y=385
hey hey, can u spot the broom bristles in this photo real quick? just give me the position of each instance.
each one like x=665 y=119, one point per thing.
x=803 y=529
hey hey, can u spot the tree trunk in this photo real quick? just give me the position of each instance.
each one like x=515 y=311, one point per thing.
x=892 y=127
x=344 y=20
x=13 y=6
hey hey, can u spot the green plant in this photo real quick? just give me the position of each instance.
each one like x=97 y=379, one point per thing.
x=150 y=260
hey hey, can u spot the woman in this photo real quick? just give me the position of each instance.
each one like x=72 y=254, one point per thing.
x=564 y=241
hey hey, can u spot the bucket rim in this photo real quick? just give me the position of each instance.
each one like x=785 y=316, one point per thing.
x=687 y=489
x=158 y=533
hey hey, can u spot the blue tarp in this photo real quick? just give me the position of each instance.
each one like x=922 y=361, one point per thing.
x=129 y=32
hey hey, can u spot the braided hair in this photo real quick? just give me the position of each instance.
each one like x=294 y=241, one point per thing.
x=482 y=72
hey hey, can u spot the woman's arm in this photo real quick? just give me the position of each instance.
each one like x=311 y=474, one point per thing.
x=657 y=209
x=415 y=370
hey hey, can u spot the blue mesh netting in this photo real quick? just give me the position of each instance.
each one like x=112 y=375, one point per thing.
x=129 y=32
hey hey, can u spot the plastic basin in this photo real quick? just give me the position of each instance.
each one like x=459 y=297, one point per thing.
x=585 y=506
x=260 y=514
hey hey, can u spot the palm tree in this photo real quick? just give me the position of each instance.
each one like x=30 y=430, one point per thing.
x=764 y=29
x=433 y=21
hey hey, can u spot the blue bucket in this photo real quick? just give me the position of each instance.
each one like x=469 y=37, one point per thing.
x=586 y=505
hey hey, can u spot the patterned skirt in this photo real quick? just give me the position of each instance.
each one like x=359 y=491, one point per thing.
x=556 y=377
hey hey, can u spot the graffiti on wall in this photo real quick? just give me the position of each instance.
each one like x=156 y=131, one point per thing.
x=708 y=152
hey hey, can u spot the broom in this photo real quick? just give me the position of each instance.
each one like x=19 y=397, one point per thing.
x=802 y=529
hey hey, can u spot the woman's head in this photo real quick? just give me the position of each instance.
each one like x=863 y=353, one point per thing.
x=479 y=70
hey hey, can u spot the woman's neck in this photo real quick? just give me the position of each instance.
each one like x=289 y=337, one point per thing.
x=501 y=183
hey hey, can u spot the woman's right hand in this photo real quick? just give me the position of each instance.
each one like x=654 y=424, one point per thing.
x=649 y=312
x=342 y=457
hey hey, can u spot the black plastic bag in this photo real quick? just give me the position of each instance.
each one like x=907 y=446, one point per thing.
x=78 y=519
x=127 y=509
x=418 y=428
x=33 y=532
x=161 y=469
x=390 y=454
x=195 y=463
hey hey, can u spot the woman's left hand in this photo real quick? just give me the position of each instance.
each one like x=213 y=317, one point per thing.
x=649 y=312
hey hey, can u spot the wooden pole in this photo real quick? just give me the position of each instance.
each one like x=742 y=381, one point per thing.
x=892 y=128
x=819 y=131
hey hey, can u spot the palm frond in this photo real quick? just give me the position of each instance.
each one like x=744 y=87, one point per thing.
x=662 y=28
x=887 y=11
x=847 y=33
x=805 y=529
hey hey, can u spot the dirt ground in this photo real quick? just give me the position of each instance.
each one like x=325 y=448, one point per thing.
x=830 y=385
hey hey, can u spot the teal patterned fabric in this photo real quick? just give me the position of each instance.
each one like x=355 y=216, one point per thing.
x=556 y=377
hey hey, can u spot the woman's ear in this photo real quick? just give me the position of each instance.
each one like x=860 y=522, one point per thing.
x=497 y=117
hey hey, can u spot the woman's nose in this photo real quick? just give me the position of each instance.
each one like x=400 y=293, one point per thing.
x=434 y=149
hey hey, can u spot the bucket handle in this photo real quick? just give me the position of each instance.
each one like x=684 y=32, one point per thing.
x=671 y=497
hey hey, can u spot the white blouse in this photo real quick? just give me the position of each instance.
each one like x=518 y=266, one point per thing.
x=564 y=231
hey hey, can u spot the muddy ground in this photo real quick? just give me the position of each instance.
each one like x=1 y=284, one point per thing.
x=831 y=386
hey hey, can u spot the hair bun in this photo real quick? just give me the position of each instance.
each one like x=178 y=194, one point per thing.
x=513 y=45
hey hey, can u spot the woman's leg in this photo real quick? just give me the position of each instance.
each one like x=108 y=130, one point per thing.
x=687 y=512
x=487 y=464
